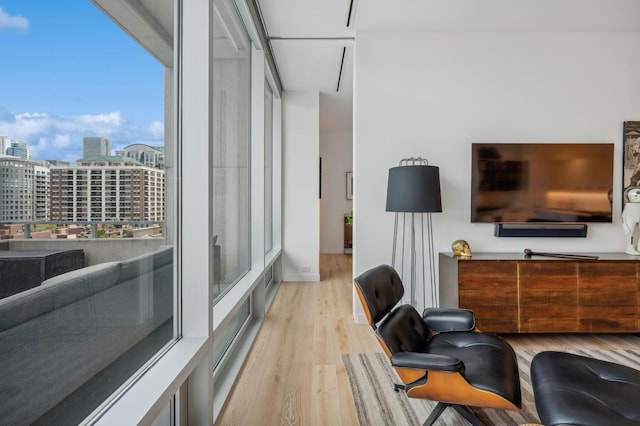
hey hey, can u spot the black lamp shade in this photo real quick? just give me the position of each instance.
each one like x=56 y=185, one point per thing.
x=414 y=189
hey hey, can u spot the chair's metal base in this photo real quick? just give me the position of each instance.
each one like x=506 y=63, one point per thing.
x=397 y=387
x=461 y=409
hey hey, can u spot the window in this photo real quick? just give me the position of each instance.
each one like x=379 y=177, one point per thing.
x=225 y=338
x=80 y=323
x=231 y=143
x=268 y=167
x=203 y=259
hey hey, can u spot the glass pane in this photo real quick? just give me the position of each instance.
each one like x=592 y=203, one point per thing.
x=268 y=168
x=225 y=337
x=268 y=276
x=86 y=266
x=166 y=416
x=231 y=123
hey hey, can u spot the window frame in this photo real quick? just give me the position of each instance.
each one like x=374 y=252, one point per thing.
x=236 y=31
x=186 y=369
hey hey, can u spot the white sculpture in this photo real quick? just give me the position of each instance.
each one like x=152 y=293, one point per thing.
x=631 y=218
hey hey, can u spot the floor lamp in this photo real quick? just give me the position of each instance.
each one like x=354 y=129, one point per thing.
x=413 y=190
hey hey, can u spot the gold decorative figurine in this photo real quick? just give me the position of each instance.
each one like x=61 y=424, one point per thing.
x=461 y=248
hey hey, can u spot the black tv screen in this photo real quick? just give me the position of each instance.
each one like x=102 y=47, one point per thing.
x=541 y=182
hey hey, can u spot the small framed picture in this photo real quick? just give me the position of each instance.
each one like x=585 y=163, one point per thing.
x=349 y=185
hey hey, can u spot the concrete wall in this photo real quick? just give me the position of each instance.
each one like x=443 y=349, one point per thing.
x=95 y=250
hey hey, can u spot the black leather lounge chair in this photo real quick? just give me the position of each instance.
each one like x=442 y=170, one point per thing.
x=439 y=355
x=577 y=390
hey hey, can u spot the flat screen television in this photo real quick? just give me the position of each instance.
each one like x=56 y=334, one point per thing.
x=541 y=182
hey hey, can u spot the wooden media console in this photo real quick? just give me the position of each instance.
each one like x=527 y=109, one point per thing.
x=510 y=293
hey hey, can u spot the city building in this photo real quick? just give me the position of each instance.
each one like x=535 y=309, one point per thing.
x=4 y=144
x=107 y=188
x=41 y=200
x=24 y=189
x=95 y=146
x=150 y=156
x=19 y=149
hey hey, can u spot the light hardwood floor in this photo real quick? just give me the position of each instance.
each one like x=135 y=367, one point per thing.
x=295 y=375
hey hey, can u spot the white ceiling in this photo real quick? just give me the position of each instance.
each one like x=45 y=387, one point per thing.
x=314 y=47
x=308 y=36
x=498 y=15
x=309 y=39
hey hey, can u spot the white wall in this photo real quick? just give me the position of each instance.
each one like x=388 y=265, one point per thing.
x=336 y=150
x=433 y=94
x=300 y=178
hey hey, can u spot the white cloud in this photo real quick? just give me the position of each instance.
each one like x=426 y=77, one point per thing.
x=60 y=137
x=8 y=22
x=110 y=119
x=61 y=141
x=156 y=129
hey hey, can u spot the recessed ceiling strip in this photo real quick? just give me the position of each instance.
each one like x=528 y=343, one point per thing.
x=350 y=14
x=344 y=54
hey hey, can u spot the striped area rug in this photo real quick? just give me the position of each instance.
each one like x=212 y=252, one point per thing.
x=371 y=378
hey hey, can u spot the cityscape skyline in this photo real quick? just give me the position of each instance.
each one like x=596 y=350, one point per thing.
x=71 y=73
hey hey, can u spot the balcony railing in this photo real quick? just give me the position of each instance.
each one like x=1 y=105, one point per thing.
x=89 y=229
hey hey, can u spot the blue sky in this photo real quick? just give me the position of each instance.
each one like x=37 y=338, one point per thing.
x=67 y=71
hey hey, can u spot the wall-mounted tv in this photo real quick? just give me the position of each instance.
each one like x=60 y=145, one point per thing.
x=541 y=182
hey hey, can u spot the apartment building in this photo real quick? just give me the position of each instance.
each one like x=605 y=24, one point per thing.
x=41 y=187
x=24 y=189
x=107 y=188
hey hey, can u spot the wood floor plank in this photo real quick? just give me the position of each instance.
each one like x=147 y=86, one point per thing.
x=325 y=399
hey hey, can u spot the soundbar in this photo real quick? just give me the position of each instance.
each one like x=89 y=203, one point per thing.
x=564 y=230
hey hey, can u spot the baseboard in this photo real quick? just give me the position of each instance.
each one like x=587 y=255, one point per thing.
x=313 y=278
x=565 y=230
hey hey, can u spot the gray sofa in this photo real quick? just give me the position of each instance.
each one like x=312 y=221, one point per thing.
x=59 y=341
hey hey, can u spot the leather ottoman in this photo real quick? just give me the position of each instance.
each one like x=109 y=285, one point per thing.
x=578 y=390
